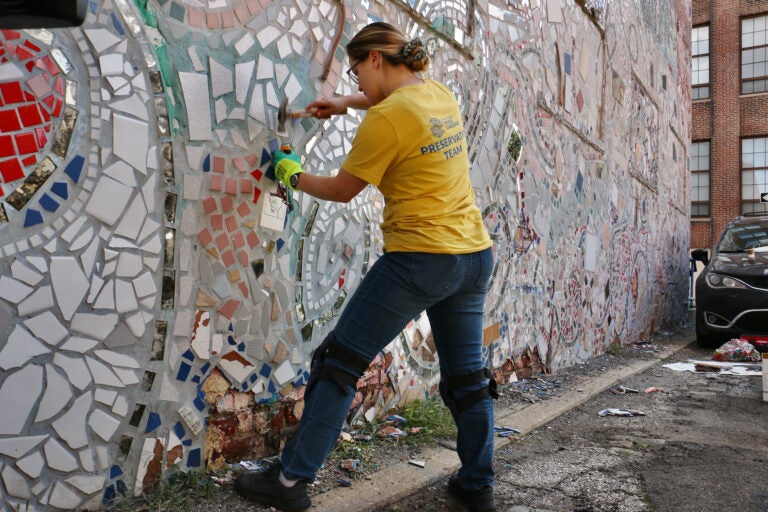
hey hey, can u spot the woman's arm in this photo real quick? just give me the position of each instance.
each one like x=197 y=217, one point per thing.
x=342 y=187
x=324 y=108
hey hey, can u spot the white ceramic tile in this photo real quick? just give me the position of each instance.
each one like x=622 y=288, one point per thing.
x=121 y=406
x=106 y=297
x=127 y=377
x=284 y=373
x=105 y=396
x=144 y=285
x=25 y=273
x=111 y=64
x=88 y=257
x=117 y=359
x=191 y=419
x=82 y=240
x=56 y=396
x=47 y=328
x=20 y=347
x=32 y=464
x=149 y=192
x=108 y=200
x=17 y=406
x=237 y=368
x=86 y=459
x=118 y=85
x=221 y=78
x=78 y=344
x=132 y=220
x=87 y=484
x=15 y=483
x=265 y=70
x=103 y=424
x=63 y=497
x=19 y=446
x=102 y=374
x=13 y=290
x=243 y=77
x=96 y=326
x=197 y=99
x=244 y=44
x=40 y=300
x=145 y=459
x=71 y=425
x=132 y=105
x=130 y=141
x=101 y=39
x=75 y=368
x=128 y=265
x=12 y=71
x=121 y=172
x=267 y=35
x=125 y=297
x=69 y=284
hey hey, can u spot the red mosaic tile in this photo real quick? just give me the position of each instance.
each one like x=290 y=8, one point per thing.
x=205 y=237
x=6 y=146
x=33 y=46
x=30 y=115
x=228 y=258
x=11 y=92
x=11 y=34
x=11 y=170
x=9 y=121
x=25 y=143
x=30 y=160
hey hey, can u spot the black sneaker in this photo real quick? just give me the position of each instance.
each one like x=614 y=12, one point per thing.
x=480 y=500
x=264 y=487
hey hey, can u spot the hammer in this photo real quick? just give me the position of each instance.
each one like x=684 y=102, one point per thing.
x=283 y=115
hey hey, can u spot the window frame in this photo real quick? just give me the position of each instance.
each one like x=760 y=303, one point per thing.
x=748 y=84
x=699 y=171
x=753 y=204
x=703 y=87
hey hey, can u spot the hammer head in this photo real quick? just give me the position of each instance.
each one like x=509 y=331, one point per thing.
x=282 y=117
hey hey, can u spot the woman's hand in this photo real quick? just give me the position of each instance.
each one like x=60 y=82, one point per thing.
x=324 y=108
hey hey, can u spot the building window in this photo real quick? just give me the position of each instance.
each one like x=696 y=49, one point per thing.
x=754 y=174
x=699 y=167
x=700 y=63
x=754 y=55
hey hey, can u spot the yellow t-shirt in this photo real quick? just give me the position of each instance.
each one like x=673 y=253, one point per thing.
x=412 y=146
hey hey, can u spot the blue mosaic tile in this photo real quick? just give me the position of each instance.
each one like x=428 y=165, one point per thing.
x=178 y=429
x=118 y=26
x=241 y=347
x=115 y=471
x=183 y=373
x=153 y=422
x=189 y=355
x=280 y=243
x=265 y=371
x=33 y=218
x=48 y=203
x=265 y=157
x=272 y=388
x=196 y=379
x=207 y=163
x=60 y=189
x=193 y=460
x=567 y=63
x=205 y=368
x=121 y=487
x=199 y=403
x=270 y=173
x=187 y=442
x=75 y=168
x=109 y=494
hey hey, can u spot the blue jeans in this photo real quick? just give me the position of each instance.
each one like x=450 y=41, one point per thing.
x=398 y=287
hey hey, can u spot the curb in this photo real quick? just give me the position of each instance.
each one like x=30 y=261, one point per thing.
x=400 y=480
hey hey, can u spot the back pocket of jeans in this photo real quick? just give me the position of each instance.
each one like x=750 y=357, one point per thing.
x=434 y=275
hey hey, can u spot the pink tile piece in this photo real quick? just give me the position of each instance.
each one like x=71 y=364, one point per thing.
x=217 y=222
x=212 y=20
x=222 y=241
x=243 y=257
x=231 y=223
x=242 y=13
x=217 y=182
x=238 y=239
x=195 y=18
x=228 y=258
x=253 y=160
x=253 y=6
x=240 y=164
x=252 y=239
x=209 y=204
x=243 y=209
x=231 y=186
x=229 y=308
x=228 y=19
x=205 y=237
x=243 y=289
x=219 y=164
x=246 y=186
x=227 y=204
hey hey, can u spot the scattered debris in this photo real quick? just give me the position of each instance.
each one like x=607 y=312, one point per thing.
x=737 y=350
x=505 y=431
x=391 y=431
x=344 y=482
x=723 y=368
x=351 y=465
x=396 y=420
x=419 y=463
x=251 y=465
x=655 y=390
x=621 y=412
x=622 y=390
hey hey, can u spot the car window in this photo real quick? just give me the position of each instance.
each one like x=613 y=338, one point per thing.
x=739 y=238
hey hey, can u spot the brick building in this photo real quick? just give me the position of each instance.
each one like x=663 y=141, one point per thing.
x=729 y=134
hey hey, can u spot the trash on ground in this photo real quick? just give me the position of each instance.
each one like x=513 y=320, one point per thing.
x=414 y=430
x=505 y=431
x=251 y=465
x=352 y=465
x=344 y=482
x=721 y=367
x=655 y=390
x=622 y=390
x=395 y=419
x=390 y=431
x=621 y=412
x=419 y=463
x=737 y=350
x=363 y=438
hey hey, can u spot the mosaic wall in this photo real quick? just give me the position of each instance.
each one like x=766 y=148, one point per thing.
x=159 y=296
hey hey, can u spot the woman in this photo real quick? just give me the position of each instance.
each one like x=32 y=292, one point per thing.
x=437 y=257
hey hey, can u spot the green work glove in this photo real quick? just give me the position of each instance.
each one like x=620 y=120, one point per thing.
x=286 y=165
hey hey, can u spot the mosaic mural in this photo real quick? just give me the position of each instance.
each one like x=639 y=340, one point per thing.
x=160 y=299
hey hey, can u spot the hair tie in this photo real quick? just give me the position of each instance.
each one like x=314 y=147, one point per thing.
x=414 y=51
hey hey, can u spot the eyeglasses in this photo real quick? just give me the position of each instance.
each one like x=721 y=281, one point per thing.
x=352 y=71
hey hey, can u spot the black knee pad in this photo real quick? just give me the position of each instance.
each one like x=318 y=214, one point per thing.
x=320 y=368
x=459 y=405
